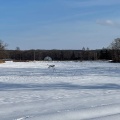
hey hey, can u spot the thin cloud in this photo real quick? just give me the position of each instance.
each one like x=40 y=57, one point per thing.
x=109 y=23
x=91 y=3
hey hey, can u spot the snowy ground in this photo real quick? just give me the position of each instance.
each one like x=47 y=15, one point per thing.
x=71 y=91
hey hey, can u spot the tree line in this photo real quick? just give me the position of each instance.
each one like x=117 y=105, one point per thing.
x=61 y=55
x=110 y=53
x=54 y=54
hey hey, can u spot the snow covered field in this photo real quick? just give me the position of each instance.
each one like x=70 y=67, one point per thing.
x=71 y=91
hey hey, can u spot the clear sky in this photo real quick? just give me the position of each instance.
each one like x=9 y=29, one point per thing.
x=59 y=24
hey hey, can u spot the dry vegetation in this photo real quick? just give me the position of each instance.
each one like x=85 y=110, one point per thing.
x=2 y=61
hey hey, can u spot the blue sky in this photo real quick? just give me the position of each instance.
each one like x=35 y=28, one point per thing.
x=59 y=24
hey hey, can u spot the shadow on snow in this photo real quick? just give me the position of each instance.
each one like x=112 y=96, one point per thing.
x=57 y=86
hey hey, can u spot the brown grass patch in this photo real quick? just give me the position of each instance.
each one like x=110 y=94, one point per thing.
x=2 y=61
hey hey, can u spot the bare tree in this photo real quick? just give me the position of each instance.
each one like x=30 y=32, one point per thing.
x=3 y=53
x=115 y=45
x=2 y=45
x=18 y=48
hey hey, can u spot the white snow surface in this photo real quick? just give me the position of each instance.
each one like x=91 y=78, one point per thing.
x=69 y=91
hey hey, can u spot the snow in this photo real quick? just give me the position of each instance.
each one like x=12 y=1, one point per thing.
x=70 y=91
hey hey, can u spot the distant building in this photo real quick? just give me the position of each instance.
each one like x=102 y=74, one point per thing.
x=48 y=58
